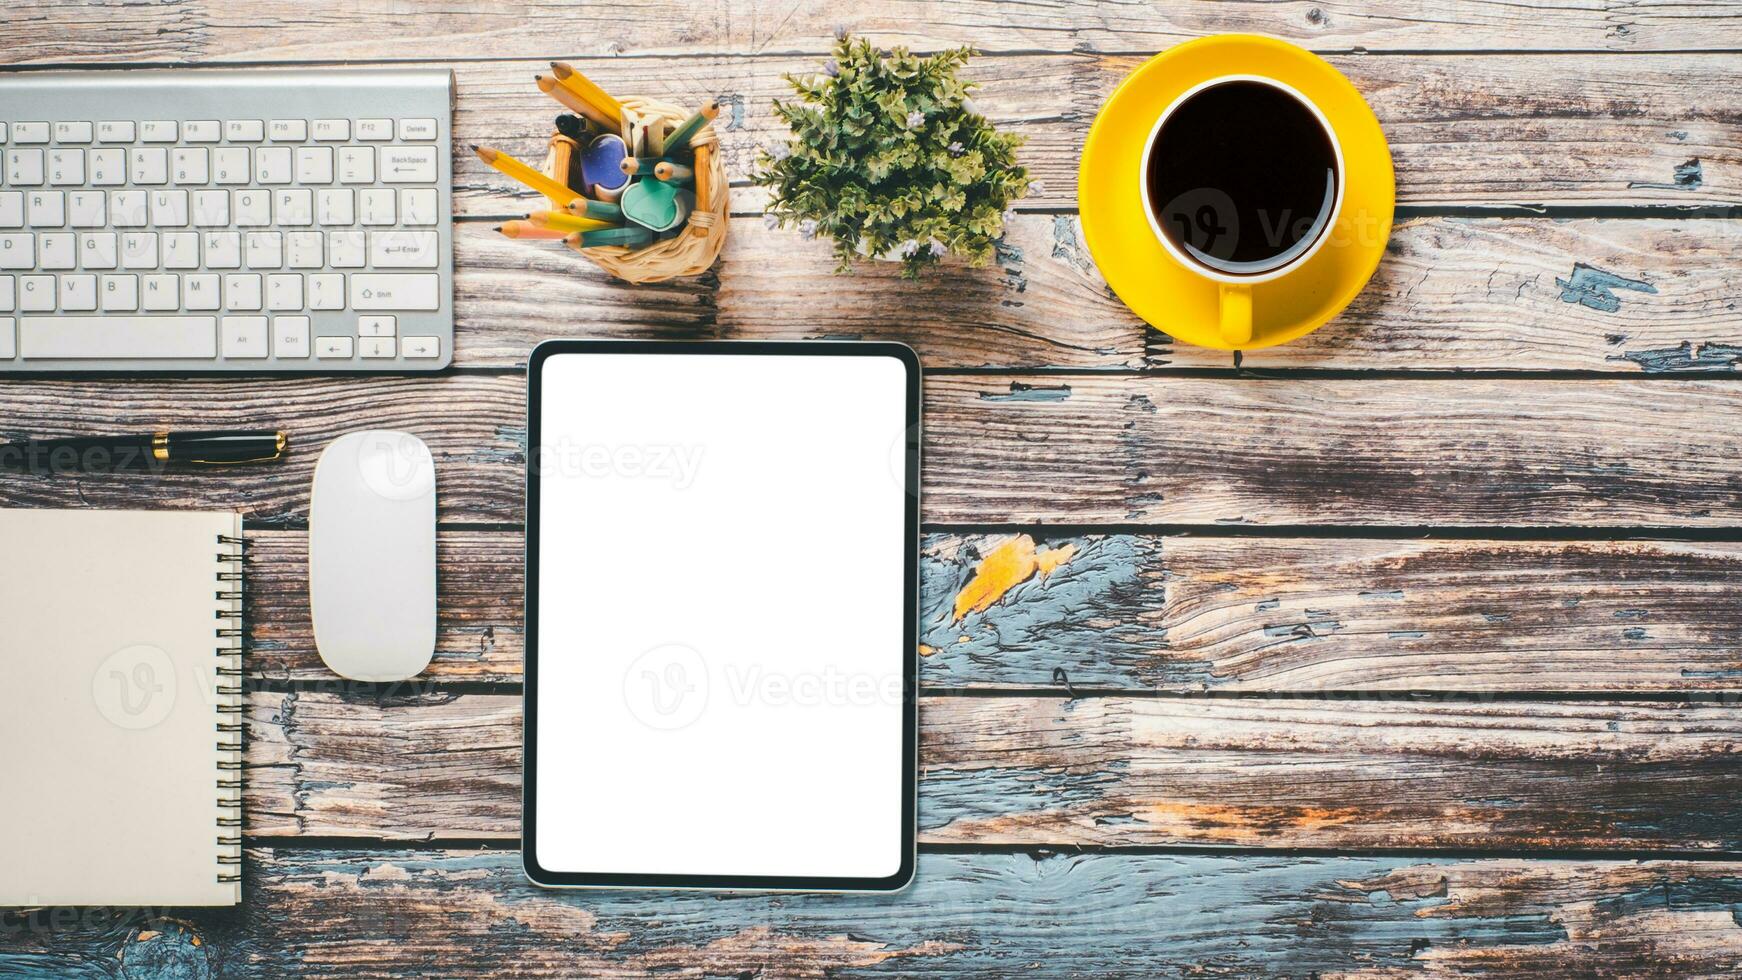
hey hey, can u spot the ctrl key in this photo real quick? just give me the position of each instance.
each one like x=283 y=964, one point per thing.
x=8 y=338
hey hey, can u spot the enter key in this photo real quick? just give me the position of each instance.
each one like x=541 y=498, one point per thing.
x=403 y=250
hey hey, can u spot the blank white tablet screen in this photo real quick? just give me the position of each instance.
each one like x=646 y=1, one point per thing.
x=720 y=610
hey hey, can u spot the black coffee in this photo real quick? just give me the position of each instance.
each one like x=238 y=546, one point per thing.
x=1242 y=177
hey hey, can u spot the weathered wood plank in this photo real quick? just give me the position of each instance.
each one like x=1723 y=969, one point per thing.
x=348 y=913
x=1331 y=773
x=1453 y=293
x=57 y=31
x=1189 y=613
x=1030 y=449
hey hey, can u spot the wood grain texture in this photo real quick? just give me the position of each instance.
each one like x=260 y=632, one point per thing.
x=392 y=913
x=1522 y=130
x=57 y=31
x=1029 y=449
x=1190 y=613
x=1332 y=773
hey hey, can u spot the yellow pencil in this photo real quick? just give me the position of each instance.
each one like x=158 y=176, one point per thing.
x=583 y=86
x=558 y=192
x=574 y=102
x=564 y=221
x=526 y=229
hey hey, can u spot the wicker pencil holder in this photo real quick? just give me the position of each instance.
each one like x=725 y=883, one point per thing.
x=696 y=246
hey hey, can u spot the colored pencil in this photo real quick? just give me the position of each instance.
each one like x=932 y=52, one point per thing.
x=640 y=165
x=575 y=103
x=567 y=222
x=584 y=89
x=679 y=139
x=627 y=235
x=526 y=229
x=586 y=207
x=672 y=173
x=558 y=192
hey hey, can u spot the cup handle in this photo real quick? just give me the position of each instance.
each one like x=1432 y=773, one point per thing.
x=1236 y=313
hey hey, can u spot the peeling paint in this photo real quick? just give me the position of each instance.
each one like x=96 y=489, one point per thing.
x=1684 y=357
x=1594 y=288
x=1005 y=567
x=1020 y=392
x=1383 y=594
x=1688 y=177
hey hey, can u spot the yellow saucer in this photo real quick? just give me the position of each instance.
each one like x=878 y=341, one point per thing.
x=1178 y=301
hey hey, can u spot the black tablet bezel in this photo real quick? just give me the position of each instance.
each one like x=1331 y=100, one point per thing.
x=540 y=875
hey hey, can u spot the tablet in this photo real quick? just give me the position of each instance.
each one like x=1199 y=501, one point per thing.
x=721 y=615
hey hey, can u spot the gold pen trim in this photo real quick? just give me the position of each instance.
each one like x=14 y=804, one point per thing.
x=160 y=446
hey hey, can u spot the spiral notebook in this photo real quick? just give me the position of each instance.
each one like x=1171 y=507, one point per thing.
x=120 y=708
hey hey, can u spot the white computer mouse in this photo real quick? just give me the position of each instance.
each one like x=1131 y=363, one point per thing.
x=372 y=556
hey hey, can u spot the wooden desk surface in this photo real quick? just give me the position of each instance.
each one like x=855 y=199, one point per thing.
x=1411 y=647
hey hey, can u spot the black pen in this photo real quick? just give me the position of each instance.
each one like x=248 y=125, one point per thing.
x=150 y=451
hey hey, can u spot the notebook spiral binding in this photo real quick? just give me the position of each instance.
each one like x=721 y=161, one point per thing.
x=228 y=634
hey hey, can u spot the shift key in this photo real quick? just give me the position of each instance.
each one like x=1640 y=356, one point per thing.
x=390 y=292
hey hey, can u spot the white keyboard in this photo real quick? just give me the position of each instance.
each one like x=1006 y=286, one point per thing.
x=205 y=220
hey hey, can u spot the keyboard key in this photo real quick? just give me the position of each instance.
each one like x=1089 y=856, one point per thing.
x=8 y=339
x=30 y=132
x=334 y=347
x=417 y=206
x=288 y=130
x=241 y=291
x=72 y=132
x=377 y=326
x=356 y=165
x=108 y=167
x=223 y=250
x=230 y=165
x=56 y=251
x=293 y=207
x=272 y=165
x=265 y=249
x=66 y=167
x=121 y=131
x=376 y=347
x=169 y=209
x=120 y=294
x=346 y=249
x=97 y=250
x=8 y=301
x=201 y=131
x=48 y=209
x=150 y=165
x=118 y=336
x=211 y=209
x=87 y=209
x=139 y=250
x=200 y=292
x=129 y=209
x=368 y=130
x=290 y=336
x=382 y=291
x=253 y=208
x=23 y=167
x=161 y=292
x=18 y=251
x=326 y=291
x=284 y=292
x=189 y=165
x=408 y=164
x=334 y=207
x=78 y=294
x=11 y=209
x=243 y=336
x=302 y=249
x=417 y=129
x=244 y=130
x=314 y=164
x=375 y=206
x=160 y=131
x=36 y=294
x=422 y=347
x=181 y=250
x=403 y=249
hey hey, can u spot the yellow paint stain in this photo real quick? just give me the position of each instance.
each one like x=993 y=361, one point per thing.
x=926 y=651
x=1004 y=568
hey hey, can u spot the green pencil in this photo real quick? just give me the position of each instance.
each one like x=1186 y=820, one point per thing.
x=626 y=235
x=679 y=139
